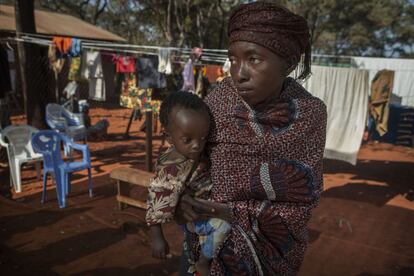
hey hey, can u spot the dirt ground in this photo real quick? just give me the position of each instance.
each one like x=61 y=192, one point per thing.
x=363 y=225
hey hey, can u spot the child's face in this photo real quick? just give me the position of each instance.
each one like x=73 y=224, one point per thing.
x=188 y=131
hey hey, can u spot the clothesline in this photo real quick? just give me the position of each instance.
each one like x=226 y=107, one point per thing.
x=124 y=45
x=147 y=50
x=90 y=42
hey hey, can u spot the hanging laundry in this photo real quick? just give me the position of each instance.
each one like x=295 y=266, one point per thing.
x=63 y=45
x=109 y=73
x=91 y=65
x=74 y=69
x=403 y=84
x=56 y=64
x=202 y=83
x=129 y=92
x=91 y=70
x=188 y=72
x=147 y=72
x=75 y=49
x=226 y=66
x=164 y=61
x=381 y=90
x=188 y=77
x=213 y=72
x=124 y=64
x=345 y=92
x=70 y=89
x=226 y=70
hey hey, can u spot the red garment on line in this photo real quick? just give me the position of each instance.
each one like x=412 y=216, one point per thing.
x=124 y=64
x=213 y=72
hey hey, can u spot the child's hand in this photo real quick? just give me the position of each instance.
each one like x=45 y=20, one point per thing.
x=160 y=248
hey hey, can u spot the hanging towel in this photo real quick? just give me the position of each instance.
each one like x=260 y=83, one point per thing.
x=164 y=61
x=124 y=64
x=188 y=77
x=91 y=65
x=75 y=49
x=74 y=69
x=381 y=90
x=147 y=72
x=91 y=70
x=345 y=92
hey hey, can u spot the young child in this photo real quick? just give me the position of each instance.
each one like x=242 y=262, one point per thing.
x=183 y=168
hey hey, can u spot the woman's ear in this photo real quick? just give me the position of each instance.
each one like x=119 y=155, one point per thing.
x=291 y=64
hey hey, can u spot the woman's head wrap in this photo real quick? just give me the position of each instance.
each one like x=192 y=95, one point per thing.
x=274 y=27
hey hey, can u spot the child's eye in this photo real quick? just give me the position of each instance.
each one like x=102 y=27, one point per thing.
x=186 y=140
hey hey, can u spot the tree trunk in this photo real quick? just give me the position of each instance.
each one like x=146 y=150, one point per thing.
x=32 y=65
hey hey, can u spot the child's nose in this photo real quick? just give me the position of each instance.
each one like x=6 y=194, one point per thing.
x=196 y=145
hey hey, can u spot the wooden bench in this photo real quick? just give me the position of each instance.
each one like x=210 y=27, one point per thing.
x=125 y=177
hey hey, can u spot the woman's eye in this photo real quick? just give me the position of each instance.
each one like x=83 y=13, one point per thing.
x=255 y=60
x=232 y=60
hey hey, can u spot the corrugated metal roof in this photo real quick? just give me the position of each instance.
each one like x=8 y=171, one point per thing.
x=52 y=23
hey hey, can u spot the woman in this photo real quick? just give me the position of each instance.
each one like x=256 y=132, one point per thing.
x=266 y=146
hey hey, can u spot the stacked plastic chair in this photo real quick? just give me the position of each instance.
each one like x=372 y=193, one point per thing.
x=17 y=140
x=64 y=121
x=48 y=143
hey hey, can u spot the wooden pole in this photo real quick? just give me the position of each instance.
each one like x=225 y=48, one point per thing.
x=21 y=25
x=148 y=140
x=32 y=66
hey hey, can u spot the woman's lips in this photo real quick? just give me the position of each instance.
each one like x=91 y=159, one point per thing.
x=244 y=91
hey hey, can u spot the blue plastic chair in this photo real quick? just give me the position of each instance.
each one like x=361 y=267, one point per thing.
x=49 y=143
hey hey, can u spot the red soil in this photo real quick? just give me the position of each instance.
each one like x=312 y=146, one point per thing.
x=363 y=226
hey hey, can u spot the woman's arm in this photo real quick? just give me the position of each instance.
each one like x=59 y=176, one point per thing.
x=193 y=209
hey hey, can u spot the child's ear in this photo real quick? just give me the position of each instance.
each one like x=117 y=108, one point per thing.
x=167 y=137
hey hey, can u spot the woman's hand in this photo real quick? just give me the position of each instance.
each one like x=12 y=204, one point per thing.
x=209 y=209
x=184 y=211
x=191 y=209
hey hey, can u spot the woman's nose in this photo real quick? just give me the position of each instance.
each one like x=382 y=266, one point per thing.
x=241 y=74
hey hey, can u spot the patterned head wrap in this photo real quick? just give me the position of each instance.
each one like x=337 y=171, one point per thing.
x=274 y=27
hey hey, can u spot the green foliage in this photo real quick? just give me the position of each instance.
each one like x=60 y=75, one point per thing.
x=351 y=27
x=355 y=27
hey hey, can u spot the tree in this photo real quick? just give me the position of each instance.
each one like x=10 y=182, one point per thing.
x=354 y=27
x=88 y=10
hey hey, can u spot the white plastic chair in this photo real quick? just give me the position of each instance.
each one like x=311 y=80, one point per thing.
x=17 y=140
x=64 y=121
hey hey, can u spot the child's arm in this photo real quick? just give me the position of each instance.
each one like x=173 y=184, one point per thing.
x=160 y=247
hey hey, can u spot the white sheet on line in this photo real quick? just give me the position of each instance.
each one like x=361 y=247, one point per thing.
x=403 y=77
x=92 y=71
x=345 y=92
